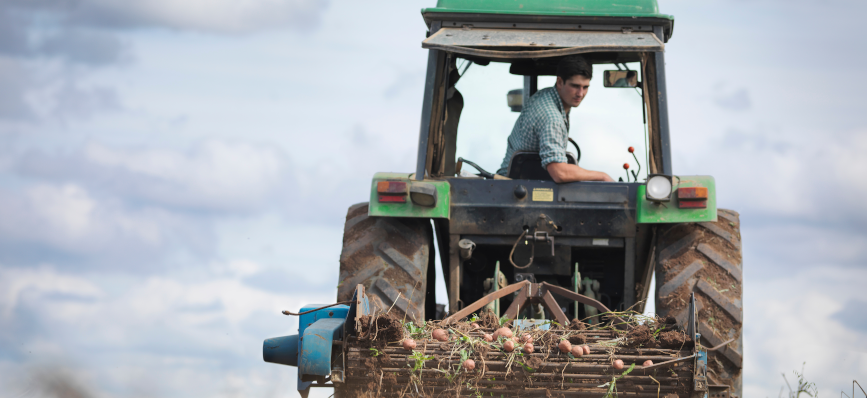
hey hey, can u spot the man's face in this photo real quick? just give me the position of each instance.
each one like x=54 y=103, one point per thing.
x=572 y=91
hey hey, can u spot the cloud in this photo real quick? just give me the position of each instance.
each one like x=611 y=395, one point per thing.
x=214 y=175
x=101 y=205
x=14 y=85
x=738 y=100
x=47 y=47
x=791 y=319
x=85 y=46
x=46 y=222
x=227 y=16
x=853 y=315
x=175 y=333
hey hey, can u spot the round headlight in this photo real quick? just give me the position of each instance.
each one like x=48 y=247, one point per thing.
x=659 y=188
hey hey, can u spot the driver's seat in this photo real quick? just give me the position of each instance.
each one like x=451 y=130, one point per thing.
x=526 y=165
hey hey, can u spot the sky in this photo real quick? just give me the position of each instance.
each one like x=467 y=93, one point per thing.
x=174 y=174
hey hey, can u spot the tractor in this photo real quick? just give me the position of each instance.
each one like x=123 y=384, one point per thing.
x=600 y=240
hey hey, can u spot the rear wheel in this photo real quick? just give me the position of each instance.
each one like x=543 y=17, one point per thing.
x=705 y=259
x=390 y=257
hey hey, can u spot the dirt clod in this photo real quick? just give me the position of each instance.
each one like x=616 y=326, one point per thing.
x=641 y=336
x=576 y=324
x=381 y=329
x=674 y=340
x=577 y=339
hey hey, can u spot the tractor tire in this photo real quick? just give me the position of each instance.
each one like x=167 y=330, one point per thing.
x=393 y=258
x=705 y=259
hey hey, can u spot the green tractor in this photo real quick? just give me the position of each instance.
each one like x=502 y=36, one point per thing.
x=603 y=240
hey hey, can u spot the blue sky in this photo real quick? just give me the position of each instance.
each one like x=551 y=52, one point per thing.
x=174 y=174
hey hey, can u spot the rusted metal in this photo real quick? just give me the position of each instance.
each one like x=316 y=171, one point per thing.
x=517 y=303
x=554 y=308
x=315 y=309
x=486 y=300
x=721 y=345
x=533 y=293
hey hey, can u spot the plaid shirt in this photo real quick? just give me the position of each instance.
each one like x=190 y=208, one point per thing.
x=542 y=127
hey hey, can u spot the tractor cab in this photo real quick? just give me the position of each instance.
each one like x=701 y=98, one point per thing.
x=483 y=64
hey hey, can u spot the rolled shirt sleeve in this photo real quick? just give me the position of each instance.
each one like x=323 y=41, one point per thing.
x=552 y=142
x=542 y=127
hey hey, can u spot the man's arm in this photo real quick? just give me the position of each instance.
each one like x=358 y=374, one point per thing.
x=565 y=172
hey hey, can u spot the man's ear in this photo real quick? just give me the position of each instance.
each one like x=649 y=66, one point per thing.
x=559 y=82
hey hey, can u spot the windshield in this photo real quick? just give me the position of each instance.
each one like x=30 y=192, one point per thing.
x=608 y=121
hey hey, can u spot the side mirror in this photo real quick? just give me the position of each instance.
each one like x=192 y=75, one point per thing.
x=515 y=99
x=620 y=78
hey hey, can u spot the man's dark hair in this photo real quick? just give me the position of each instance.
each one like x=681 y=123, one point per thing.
x=574 y=65
x=630 y=74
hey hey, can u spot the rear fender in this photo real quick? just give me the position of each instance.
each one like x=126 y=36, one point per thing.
x=379 y=207
x=650 y=212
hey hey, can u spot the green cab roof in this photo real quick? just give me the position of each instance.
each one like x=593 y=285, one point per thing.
x=588 y=8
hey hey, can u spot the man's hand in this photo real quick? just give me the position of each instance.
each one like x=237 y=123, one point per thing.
x=565 y=172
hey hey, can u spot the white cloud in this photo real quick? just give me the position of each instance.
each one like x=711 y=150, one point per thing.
x=16 y=282
x=179 y=333
x=67 y=217
x=206 y=15
x=214 y=175
x=789 y=321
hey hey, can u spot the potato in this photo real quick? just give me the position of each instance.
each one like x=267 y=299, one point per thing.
x=586 y=350
x=489 y=338
x=408 y=344
x=505 y=332
x=618 y=364
x=509 y=346
x=526 y=338
x=565 y=346
x=469 y=364
x=577 y=351
x=647 y=363
x=475 y=325
x=528 y=348
x=440 y=334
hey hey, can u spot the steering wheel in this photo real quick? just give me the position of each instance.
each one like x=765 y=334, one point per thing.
x=577 y=149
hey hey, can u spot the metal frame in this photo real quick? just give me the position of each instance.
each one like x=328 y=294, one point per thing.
x=530 y=293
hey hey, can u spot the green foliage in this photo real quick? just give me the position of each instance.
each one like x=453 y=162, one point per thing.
x=504 y=320
x=414 y=331
x=612 y=385
x=374 y=352
x=418 y=358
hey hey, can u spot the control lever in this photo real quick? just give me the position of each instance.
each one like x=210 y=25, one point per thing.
x=482 y=172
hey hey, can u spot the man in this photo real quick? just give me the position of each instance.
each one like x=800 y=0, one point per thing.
x=631 y=80
x=544 y=123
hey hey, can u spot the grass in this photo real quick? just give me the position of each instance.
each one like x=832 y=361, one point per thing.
x=803 y=387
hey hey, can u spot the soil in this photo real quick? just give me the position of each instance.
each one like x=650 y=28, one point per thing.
x=551 y=340
x=675 y=340
x=381 y=329
x=578 y=339
x=640 y=336
x=488 y=320
x=576 y=324
x=533 y=362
